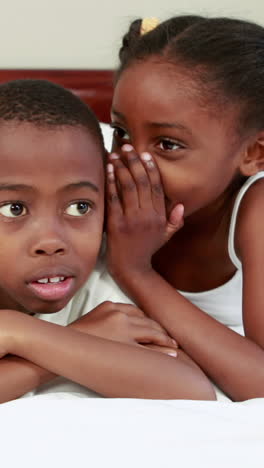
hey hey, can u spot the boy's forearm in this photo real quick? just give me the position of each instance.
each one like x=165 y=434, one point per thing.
x=19 y=376
x=107 y=367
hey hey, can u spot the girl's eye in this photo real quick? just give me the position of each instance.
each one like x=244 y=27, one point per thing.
x=13 y=210
x=120 y=133
x=80 y=208
x=169 y=145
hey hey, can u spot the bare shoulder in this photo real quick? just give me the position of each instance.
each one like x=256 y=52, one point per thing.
x=250 y=249
x=249 y=238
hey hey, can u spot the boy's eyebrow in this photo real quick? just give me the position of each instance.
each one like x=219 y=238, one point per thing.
x=82 y=183
x=15 y=187
x=75 y=185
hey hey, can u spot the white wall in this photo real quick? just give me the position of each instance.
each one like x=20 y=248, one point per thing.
x=87 y=33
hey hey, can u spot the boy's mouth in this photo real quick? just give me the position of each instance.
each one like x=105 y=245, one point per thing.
x=52 y=288
x=55 y=279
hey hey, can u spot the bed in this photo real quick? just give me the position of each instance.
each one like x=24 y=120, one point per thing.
x=64 y=430
x=95 y=87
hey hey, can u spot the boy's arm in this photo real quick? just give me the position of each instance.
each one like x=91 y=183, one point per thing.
x=107 y=367
x=19 y=376
x=118 y=322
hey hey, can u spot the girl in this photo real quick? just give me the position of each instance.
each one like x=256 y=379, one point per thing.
x=186 y=191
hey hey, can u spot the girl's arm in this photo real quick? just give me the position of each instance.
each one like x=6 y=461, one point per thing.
x=249 y=242
x=136 y=230
x=110 y=368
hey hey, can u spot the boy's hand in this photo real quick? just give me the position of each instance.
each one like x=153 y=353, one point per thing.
x=127 y=324
x=137 y=220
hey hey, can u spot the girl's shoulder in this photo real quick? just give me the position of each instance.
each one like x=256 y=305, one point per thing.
x=247 y=219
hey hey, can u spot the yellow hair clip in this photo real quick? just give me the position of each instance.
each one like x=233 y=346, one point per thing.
x=148 y=24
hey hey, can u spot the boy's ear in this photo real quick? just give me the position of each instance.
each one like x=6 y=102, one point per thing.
x=253 y=158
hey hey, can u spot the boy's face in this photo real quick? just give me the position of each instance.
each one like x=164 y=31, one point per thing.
x=51 y=214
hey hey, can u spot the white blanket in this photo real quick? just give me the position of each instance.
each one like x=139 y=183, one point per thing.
x=63 y=430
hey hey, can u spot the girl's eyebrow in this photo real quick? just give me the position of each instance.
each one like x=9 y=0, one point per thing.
x=168 y=125
x=118 y=114
x=155 y=124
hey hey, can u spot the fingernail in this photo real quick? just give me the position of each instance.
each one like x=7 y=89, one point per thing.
x=146 y=156
x=181 y=208
x=113 y=156
x=172 y=353
x=127 y=147
x=110 y=168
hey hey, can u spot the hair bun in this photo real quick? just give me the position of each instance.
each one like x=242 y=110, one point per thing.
x=148 y=24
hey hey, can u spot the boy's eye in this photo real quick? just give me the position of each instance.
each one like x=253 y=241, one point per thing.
x=120 y=133
x=78 y=208
x=13 y=210
x=169 y=145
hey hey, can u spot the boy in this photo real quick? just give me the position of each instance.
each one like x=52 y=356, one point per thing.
x=51 y=224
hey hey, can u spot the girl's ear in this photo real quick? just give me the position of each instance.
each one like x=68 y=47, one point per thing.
x=253 y=158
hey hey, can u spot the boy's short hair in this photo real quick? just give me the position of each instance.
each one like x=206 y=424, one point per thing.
x=45 y=104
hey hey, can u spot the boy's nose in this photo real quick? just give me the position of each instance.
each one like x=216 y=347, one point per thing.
x=49 y=246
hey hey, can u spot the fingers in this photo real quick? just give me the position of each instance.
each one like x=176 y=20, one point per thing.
x=127 y=185
x=157 y=193
x=148 y=330
x=151 y=336
x=114 y=205
x=128 y=309
x=139 y=179
x=139 y=175
x=162 y=349
x=145 y=322
x=175 y=221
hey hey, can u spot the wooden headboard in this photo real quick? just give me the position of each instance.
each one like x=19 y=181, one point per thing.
x=95 y=87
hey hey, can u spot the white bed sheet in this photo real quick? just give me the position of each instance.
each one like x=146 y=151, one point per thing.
x=63 y=430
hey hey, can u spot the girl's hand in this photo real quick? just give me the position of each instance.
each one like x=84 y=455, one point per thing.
x=127 y=324
x=137 y=221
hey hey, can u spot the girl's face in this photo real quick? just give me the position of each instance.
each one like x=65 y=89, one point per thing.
x=51 y=214
x=157 y=108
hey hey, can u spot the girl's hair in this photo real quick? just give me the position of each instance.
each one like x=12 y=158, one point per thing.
x=136 y=46
x=225 y=57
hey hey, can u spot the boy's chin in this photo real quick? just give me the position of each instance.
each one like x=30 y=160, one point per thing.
x=47 y=307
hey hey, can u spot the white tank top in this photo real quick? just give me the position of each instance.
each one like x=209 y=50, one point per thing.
x=225 y=302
